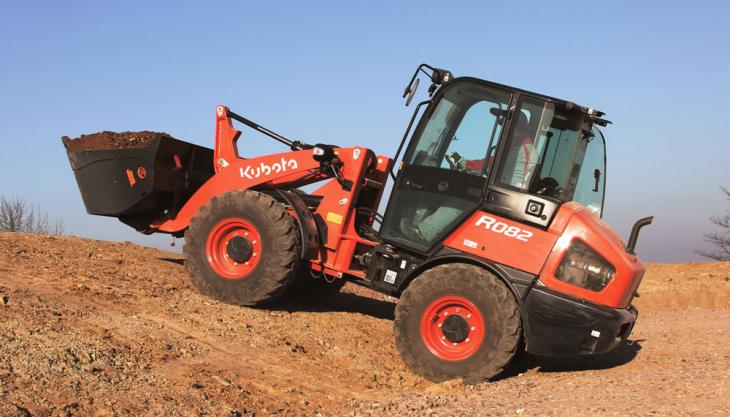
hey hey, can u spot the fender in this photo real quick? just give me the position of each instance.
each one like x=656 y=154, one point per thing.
x=447 y=256
x=233 y=176
x=305 y=219
x=519 y=283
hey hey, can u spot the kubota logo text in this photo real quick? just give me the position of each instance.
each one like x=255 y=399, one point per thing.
x=252 y=172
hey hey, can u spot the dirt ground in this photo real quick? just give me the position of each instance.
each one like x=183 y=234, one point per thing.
x=90 y=328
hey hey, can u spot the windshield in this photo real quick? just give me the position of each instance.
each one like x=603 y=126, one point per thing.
x=545 y=149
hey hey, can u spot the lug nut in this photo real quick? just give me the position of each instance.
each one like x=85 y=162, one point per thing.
x=458 y=309
x=440 y=324
x=253 y=243
x=446 y=313
x=443 y=337
x=473 y=328
x=466 y=340
x=468 y=316
x=453 y=344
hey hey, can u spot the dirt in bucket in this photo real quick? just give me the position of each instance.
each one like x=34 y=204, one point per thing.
x=107 y=140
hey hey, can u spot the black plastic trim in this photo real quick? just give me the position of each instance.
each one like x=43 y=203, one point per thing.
x=307 y=223
x=517 y=281
x=560 y=326
x=516 y=205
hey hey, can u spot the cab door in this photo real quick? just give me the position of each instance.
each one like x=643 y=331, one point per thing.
x=445 y=170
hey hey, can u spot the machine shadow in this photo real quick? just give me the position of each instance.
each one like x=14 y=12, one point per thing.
x=344 y=302
x=178 y=261
x=623 y=354
x=341 y=302
x=354 y=303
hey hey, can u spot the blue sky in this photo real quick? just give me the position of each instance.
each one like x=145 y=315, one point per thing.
x=334 y=71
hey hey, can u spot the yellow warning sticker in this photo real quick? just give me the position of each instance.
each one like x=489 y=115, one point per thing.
x=334 y=217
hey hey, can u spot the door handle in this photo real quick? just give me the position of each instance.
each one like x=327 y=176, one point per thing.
x=597 y=177
x=412 y=184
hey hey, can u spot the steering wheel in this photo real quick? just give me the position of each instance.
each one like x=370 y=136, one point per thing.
x=549 y=186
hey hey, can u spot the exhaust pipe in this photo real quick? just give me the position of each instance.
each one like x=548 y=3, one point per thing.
x=631 y=246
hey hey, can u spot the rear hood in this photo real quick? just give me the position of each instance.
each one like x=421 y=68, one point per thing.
x=582 y=224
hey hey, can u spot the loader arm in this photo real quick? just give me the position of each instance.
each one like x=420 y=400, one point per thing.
x=353 y=170
x=232 y=172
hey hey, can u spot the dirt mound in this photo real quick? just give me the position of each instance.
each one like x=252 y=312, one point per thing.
x=107 y=140
x=90 y=328
x=685 y=286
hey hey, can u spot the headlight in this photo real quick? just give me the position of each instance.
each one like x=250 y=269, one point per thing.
x=583 y=267
x=323 y=153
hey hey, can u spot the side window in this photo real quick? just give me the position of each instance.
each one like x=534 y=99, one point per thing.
x=475 y=141
x=433 y=136
x=528 y=142
x=462 y=132
x=592 y=180
x=545 y=149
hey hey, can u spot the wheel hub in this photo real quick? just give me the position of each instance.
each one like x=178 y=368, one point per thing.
x=455 y=328
x=233 y=248
x=239 y=249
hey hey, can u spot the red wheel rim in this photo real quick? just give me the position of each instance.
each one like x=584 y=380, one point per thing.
x=217 y=248
x=447 y=346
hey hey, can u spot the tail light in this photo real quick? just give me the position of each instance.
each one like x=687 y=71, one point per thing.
x=583 y=267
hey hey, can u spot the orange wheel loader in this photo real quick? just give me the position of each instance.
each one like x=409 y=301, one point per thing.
x=492 y=237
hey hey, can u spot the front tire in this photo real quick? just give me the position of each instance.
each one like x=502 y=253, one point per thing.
x=457 y=321
x=242 y=247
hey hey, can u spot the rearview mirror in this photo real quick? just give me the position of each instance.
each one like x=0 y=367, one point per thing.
x=411 y=91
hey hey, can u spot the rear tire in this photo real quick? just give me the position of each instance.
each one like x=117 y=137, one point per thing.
x=242 y=247
x=457 y=321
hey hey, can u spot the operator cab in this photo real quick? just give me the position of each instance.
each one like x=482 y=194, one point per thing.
x=507 y=151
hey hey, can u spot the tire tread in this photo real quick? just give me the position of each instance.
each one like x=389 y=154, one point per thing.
x=285 y=252
x=464 y=278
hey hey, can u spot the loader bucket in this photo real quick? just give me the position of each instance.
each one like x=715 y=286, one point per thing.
x=142 y=183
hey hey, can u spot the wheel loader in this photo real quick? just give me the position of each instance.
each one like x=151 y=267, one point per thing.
x=491 y=238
